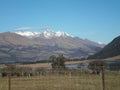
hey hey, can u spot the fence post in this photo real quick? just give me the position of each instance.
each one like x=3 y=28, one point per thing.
x=103 y=77
x=9 y=77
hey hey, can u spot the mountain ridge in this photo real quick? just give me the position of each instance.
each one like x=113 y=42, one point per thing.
x=15 y=47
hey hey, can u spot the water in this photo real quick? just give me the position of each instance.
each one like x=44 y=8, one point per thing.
x=84 y=66
x=72 y=66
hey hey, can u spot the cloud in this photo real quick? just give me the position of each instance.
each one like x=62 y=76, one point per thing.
x=23 y=28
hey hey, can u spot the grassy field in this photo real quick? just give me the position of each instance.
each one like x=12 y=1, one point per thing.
x=62 y=82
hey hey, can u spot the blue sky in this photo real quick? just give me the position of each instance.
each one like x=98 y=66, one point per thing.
x=97 y=20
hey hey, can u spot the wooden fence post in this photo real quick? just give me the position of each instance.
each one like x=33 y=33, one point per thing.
x=9 y=77
x=103 y=77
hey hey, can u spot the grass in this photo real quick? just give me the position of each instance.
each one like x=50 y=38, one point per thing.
x=62 y=82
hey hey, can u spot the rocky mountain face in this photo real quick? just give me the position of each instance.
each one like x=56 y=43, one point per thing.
x=110 y=50
x=35 y=46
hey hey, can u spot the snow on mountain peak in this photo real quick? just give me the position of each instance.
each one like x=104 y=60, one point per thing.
x=46 y=34
x=28 y=33
x=59 y=33
x=100 y=42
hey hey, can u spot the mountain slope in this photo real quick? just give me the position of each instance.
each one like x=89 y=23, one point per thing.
x=9 y=38
x=64 y=43
x=59 y=38
x=110 y=50
x=68 y=43
x=12 y=46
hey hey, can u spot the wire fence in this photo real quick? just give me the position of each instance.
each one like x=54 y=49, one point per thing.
x=94 y=77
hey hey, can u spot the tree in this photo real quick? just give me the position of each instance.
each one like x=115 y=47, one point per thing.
x=96 y=66
x=58 y=62
x=61 y=61
x=53 y=59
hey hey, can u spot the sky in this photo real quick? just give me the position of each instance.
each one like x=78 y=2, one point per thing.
x=96 y=20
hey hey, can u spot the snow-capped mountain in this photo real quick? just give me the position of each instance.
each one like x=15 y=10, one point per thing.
x=32 y=46
x=46 y=34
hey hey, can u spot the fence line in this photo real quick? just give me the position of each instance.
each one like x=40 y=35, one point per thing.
x=72 y=74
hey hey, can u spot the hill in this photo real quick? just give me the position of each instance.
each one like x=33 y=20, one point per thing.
x=110 y=50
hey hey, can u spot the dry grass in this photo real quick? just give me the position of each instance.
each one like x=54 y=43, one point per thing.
x=114 y=58
x=37 y=65
x=62 y=82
